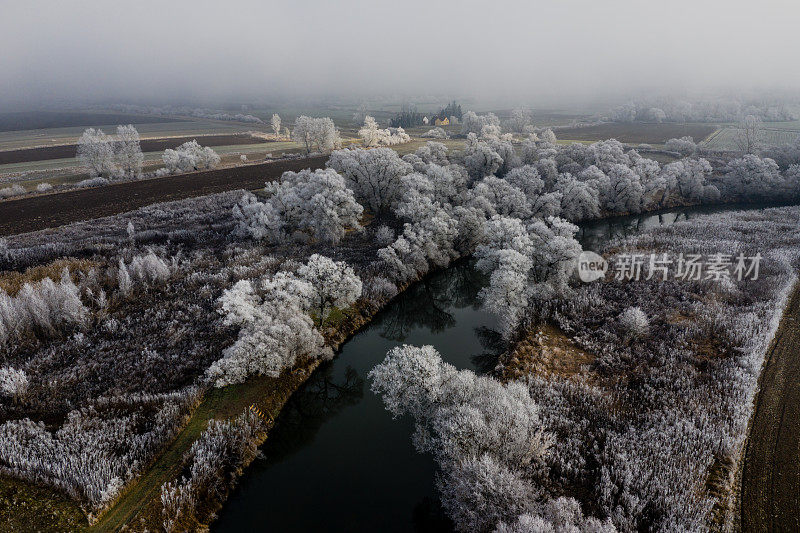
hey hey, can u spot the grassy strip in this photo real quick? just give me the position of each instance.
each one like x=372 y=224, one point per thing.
x=28 y=507
x=140 y=503
x=139 y=508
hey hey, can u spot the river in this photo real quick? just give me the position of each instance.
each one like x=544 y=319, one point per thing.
x=336 y=460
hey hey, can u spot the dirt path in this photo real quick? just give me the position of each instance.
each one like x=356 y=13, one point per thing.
x=771 y=475
x=52 y=210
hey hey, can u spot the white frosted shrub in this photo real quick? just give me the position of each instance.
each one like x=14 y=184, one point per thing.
x=13 y=382
x=634 y=322
x=384 y=236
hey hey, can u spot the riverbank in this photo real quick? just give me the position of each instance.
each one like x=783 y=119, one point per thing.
x=690 y=381
x=139 y=507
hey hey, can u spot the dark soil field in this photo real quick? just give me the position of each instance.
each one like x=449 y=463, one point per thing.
x=52 y=210
x=770 y=496
x=37 y=120
x=43 y=153
x=636 y=132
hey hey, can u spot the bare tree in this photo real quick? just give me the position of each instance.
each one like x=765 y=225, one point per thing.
x=749 y=138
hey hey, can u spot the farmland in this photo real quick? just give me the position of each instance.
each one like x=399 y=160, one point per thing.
x=40 y=212
x=36 y=120
x=726 y=139
x=636 y=132
x=66 y=151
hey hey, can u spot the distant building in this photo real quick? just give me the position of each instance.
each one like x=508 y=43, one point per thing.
x=442 y=121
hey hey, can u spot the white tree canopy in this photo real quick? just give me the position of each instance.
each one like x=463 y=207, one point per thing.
x=373 y=176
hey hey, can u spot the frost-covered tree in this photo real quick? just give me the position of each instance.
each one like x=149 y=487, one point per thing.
x=435 y=133
x=605 y=154
x=753 y=178
x=96 y=152
x=480 y=158
x=520 y=120
x=474 y=123
x=275 y=328
x=560 y=515
x=525 y=262
x=373 y=176
x=433 y=152
x=305 y=205
x=275 y=122
x=625 y=192
x=111 y=157
x=684 y=146
x=372 y=135
x=425 y=193
x=547 y=136
x=318 y=134
x=688 y=177
x=335 y=285
x=128 y=151
x=370 y=132
x=579 y=200
x=384 y=236
x=527 y=179
x=190 y=156
x=482 y=434
x=749 y=134
x=429 y=242
x=548 y=171
x=656 y=114
x=497 y=196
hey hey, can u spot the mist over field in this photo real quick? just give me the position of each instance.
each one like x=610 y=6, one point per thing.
x=520 y=52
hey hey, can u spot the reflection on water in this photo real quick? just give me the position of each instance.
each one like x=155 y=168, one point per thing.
x=427 y=304
x=336 y=461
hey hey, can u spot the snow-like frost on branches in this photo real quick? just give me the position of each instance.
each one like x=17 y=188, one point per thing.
x=190 y=156
x=306 y=206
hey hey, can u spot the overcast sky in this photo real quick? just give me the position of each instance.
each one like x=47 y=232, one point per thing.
x=521 y=50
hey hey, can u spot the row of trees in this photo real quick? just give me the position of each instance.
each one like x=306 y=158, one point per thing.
x=121 y=156
x=717 y=110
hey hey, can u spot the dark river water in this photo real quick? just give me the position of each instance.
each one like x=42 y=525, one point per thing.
x=336 y=460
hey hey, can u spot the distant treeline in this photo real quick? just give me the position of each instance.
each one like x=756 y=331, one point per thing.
x=409 y=116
